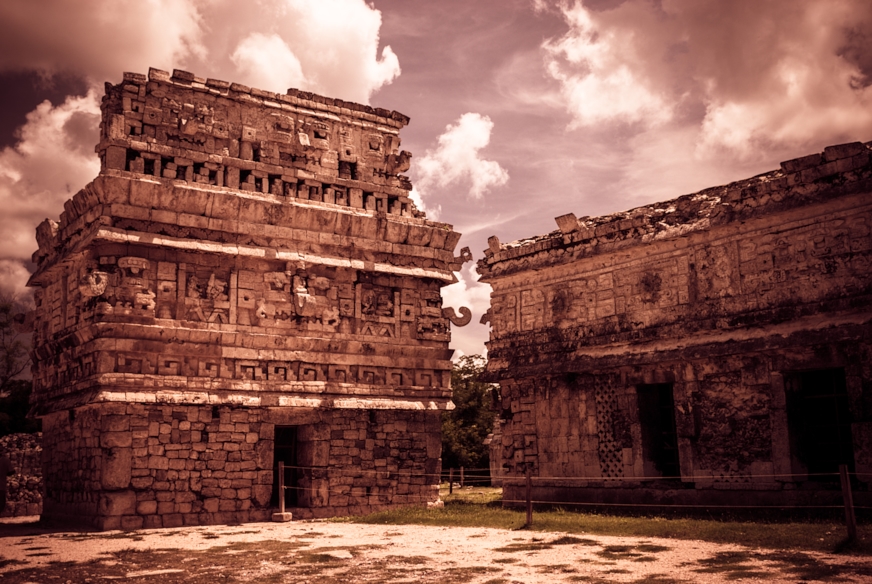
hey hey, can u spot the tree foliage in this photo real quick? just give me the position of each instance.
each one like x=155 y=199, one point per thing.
x=465 y=428
x=14 y=361
x=14 y=348
x=14 y=405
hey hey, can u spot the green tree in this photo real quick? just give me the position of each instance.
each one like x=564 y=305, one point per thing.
x=14 y=348
x=466 y=426
x=14 y=361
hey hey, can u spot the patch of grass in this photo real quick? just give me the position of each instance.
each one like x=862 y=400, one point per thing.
x=481 y=508
x=658 y=579
x=806 y=567
x=467 y=574
x=555 y=568
x=634 y=553
x=732 y=565
x=314 y=558
x=505 y=560
x=131 y=535
x=412 y=560
x=651 y=548
x=523 y=547
x=572 y=540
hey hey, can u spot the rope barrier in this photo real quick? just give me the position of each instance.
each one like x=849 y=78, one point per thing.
x=357 y=472
x=332 y=473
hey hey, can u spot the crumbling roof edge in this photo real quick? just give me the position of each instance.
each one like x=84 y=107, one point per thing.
x=293 y=96
x=695 y=211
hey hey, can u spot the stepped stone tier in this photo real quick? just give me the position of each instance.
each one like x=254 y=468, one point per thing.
x=246 y=282
x=715 y=349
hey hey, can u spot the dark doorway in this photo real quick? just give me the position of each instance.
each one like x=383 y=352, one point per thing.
x=819 y=419
x=285 y=452
x=659 y=439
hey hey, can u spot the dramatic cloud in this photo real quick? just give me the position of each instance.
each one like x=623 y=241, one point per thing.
x=267 y=61
x=597 y=66
x=13 y=277
x=53 y=158
x=325 y=46
x=748 y=75
x=98 y=39
x=457 y=159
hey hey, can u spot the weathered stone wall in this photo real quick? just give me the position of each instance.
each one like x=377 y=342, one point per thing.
x=247 y=253
x=719 y=294
x=24 y=488
x=129 y=466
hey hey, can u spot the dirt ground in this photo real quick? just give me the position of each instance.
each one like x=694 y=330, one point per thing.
x=321 y=552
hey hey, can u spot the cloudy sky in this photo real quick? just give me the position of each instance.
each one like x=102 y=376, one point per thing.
x=522 y=110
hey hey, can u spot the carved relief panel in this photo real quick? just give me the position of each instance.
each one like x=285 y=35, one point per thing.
x=715 y=270
x=532 y=309
x=377 y=310
x=504 y=314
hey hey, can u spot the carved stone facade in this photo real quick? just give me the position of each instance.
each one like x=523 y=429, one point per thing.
x=246 y=281
x=713 y=349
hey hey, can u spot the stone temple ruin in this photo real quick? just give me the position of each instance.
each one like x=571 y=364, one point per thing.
x=715 y=349
x=245 y=282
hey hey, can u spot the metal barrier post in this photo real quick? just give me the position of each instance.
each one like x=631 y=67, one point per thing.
x=529 y=499
x=461 y=477
x=281 y=487
x=848 y=497
x=450 y=480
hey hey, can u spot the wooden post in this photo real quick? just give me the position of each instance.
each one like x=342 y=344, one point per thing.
x=450 y=480
x=529 y=499
x=461 y=477
x=281 y=487
x=848 y=497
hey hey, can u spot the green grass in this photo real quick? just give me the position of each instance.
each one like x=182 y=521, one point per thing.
x=481 y=507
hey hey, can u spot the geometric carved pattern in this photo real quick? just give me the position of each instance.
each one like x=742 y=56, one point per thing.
x=609 y=450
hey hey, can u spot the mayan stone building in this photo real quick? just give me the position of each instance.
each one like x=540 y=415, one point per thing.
x=712 y=349
x=245 y=282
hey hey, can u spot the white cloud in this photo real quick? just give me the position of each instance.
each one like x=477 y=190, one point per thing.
x=267 y=61
x=471 y=293
x=329 y=47
x=13 y=277
x=457 y=159
x=694 y=93
x=597 y=68
x=326 y=46
x=98 y=39
x=53 y=159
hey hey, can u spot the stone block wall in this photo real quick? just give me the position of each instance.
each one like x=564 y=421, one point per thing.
x=132 y=466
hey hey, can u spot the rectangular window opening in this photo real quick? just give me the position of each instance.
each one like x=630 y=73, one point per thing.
x=285 y=451
x=659 y=437
x=819 y=422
